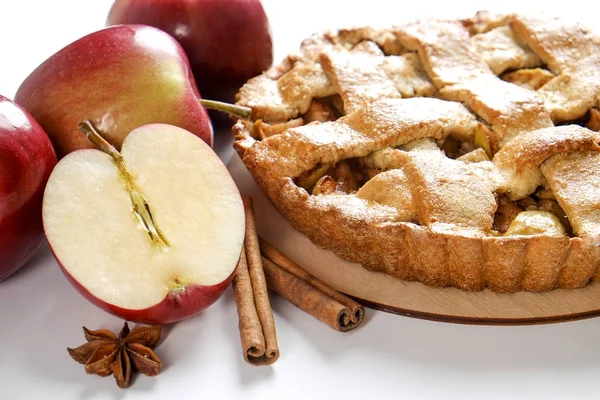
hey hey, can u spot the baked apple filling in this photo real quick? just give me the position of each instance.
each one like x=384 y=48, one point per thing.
x=590 y=120
x=536 y=223
x=593 y=122
x=533 y=78
x=531 y=216
x=324 y=109
x=343 y=177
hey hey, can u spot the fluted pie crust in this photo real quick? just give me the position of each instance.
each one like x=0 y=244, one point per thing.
x=528 y=85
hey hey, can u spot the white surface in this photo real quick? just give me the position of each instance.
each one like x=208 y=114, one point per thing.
x=389 y=357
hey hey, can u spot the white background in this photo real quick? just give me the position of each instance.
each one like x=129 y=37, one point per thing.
x=388 y=357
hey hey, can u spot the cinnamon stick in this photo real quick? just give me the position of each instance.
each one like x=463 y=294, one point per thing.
x=257 y=326
x=308 y=293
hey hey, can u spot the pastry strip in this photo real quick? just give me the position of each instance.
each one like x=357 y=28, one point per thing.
x=573 y=53
x=305 y=81
x=500 y=49
x=384 y=123
x=462 y=74
x=358 y=76
x=448 y=195
x=519 y=160
x=575 y=181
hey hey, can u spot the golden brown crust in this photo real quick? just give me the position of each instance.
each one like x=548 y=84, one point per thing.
x=454 y=245
x=483 y=21
x=461 y=69
x=575 y=181
x=501 y=50
x=359 y=76
x=391 y=188
x=572 y=52
x=386 y=123
x=532 y=148
x=362 y=232
x=449 y=196
x=520 y=159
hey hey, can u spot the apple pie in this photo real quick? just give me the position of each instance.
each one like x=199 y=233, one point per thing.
x=459 y=153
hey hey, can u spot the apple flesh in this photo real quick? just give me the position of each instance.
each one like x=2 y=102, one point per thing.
x=151 y=234
x=227 y=41
x=120 y=78
x=26 y=160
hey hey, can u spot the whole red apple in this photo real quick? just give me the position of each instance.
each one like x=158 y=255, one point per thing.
x=227 y=41
x=119 y=78
x=26 y=160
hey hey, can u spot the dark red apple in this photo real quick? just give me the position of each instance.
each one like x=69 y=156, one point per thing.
x=227 y=41
x=26 y=160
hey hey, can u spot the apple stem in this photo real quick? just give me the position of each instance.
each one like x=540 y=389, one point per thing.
x=140 y=206
x=239 y=111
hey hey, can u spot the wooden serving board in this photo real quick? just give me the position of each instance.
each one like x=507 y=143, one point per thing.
x=382 y=292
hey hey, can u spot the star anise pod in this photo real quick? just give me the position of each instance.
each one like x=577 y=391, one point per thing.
x=105 y=353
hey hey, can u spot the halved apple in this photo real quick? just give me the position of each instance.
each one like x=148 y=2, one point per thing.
x=151 y=234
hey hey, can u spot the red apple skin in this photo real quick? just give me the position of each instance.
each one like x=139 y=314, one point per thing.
x=26 y=160
x=176 y=306
x=227 y=41
x=119 y=78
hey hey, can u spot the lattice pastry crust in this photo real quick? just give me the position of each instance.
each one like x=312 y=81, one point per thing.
x=454 y=153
